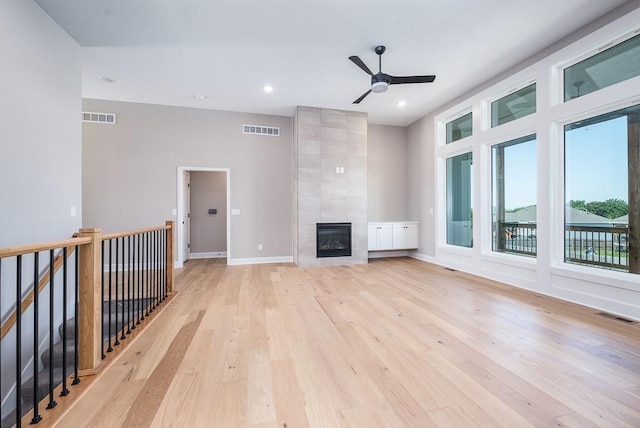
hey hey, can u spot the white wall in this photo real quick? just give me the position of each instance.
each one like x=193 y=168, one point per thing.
x=610 y=291
x=40 y=140
x=40 y=150
x=130 y=170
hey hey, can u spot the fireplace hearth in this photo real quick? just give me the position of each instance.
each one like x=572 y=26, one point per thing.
x=333 y=240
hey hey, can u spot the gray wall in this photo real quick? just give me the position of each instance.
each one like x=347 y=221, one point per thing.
x=387 y=178
x=40 y=142
x=130 y=170
x=208 y=231
x=422 y=182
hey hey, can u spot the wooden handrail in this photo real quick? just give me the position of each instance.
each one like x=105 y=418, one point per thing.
x=133 y=232
x=45 y=246
x=42 y=283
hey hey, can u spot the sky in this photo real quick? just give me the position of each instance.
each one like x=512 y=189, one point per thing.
x=596 y=161
x=596 y=165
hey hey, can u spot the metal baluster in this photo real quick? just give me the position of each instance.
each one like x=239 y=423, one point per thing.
x=152 y=279
x=101 y=306
x=36 y=340
x=148 y=282
x=122 y=333
x=136 y=263
x=154 y=282
x=19 y=340
x=129 y=302
x=117 y=342
x=110 y=348
x=164 y=265
x=140 y=277
x=76 y=347
x=52 y=403
x=65 y=390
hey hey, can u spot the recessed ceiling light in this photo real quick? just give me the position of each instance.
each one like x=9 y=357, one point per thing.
x=268 y=88
x=105 y=79
x=401 y=103
x=199 y=97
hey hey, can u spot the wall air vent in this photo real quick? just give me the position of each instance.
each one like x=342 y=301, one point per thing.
x=261 y=130
x=89 y=116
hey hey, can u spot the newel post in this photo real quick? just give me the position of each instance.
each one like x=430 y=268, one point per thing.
x=169 y=255
x=90 y=308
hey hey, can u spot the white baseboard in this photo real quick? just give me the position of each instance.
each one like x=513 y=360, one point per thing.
x=260 y=260
x=210 y=255
x=424 y=258
x=383 y=254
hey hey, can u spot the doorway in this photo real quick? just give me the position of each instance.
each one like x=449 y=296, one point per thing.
x=186 y=199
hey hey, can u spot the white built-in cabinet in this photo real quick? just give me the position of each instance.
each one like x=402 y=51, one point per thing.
x=393 y=235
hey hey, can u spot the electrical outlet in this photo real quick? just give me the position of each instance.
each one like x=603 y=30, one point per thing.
x=260 y=247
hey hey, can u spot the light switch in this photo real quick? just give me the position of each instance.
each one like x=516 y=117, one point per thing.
x=73 y=211
x=174 y=211
x=235 y=211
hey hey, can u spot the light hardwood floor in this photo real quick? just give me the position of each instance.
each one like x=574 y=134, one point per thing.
x=395 y=343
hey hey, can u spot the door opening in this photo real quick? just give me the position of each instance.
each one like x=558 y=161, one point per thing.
x=185 y=200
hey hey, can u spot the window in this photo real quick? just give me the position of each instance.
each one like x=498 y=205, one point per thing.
x=518 y=104
x=616 y=64
x=602 y=186
x=459 y=206
x=459 y=128
x=514 y=195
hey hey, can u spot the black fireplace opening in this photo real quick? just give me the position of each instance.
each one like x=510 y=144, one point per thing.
x=333 y=239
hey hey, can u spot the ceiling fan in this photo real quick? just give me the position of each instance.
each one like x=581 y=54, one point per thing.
x=380 y=81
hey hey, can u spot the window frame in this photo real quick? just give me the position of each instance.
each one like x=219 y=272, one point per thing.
x=590 y=51
x=488 y=120
x=511 y=139
x=558 y=265
x=453 y=118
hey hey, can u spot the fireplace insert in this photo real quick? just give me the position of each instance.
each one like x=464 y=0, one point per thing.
x=333 y=239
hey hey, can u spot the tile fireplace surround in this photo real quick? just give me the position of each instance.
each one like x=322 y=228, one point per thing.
x=330 y=181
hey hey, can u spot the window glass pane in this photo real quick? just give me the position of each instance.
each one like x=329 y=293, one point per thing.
x=514 y=171
x=598 y=170
x=459 y=206
x=459 y=128
x=514 y=106
x=616 y=64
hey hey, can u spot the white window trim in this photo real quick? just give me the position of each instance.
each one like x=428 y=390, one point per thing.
x=594 y=46
x=513 y=88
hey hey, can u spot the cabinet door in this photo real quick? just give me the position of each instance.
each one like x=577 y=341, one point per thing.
x=373 y=237
x=379 y=237
x=383 y=234
x=405 y=236
x=411 y=236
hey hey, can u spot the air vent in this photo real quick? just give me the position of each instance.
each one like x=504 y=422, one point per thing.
x=616 y=318
x=261 y=130
x=89 y=116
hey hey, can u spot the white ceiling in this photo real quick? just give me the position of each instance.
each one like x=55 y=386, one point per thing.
x=166 y=51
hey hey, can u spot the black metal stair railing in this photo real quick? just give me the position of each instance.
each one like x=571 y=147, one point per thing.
x=133 y=282
x=127 y=275
x=44 y=292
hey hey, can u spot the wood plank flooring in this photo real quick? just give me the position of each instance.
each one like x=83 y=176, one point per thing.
x=395 y=343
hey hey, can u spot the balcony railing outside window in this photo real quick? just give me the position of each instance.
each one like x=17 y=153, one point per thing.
x=598 y=246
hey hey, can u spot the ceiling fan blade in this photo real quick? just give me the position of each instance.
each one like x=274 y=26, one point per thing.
x=357 y=61
x=362 y=97
x=398 y=80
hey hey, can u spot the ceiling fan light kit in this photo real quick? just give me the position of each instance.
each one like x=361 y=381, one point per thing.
x=380 y=81
x=378 y=87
